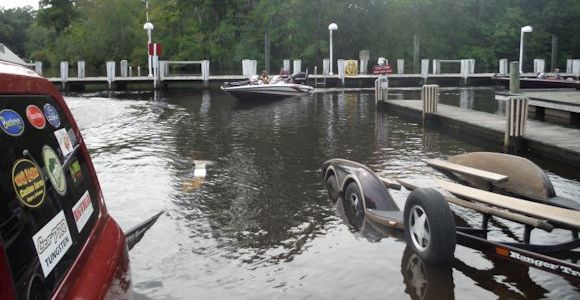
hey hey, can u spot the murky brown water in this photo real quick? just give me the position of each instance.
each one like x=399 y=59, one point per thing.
x=259 y=225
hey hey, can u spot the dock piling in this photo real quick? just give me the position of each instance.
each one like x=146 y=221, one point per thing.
x=539 y=65
x=364 y=56
x=400 y=66
x=381 y=89
x=124 y=68
x=341 y=64
x=38 y=67
x=503 y=66
x=138 y=71
x=430 y=98
x=425 y=68
x=63 y=73
x=516 y=117
x=205 y=72
x=296 y=66
x=514 y=77
x=110 y=73
x=325 y=66
x=81 y=69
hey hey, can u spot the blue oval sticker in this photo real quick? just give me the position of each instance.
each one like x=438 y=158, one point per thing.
x=52 y=115
x=11 y=122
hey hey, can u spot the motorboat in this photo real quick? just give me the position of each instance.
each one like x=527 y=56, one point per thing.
x=279 y=86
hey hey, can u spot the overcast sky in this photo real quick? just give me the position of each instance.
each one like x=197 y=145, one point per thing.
x=19 y=3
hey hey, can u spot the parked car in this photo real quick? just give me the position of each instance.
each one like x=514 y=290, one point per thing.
x=57 y=239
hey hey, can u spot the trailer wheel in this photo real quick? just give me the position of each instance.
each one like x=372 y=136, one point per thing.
x=332 y=188
x=353 y=204
x=430 y=226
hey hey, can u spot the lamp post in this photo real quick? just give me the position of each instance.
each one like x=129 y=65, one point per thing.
x=524 y=30
x=332 y=27
x=149 y=27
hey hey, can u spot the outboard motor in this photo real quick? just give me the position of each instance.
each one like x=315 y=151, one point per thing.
x=299 y=77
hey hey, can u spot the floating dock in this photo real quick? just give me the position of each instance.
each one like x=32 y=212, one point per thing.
x=330 y=81
x=550 y=141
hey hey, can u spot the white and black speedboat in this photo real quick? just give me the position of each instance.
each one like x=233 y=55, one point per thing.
x=279 y=87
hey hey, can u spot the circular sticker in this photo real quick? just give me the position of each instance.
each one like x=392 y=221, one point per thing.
x=35 y=116
x=11 y=122
x=28 y=182
x=54 y=170
x=52 y=115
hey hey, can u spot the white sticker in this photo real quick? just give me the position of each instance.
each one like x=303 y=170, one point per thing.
x=66 y=145
x=52 y=242
x=82 y=211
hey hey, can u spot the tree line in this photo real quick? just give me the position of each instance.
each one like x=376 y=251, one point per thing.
x=227 y=31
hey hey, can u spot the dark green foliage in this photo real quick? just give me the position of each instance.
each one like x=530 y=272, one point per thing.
x=227 y=31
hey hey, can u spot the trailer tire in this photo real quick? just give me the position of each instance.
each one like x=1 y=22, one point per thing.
x=353 y=204
x=430 y=226
x=332 y=187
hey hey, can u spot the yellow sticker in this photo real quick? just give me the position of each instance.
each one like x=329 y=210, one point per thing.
x=28 y=182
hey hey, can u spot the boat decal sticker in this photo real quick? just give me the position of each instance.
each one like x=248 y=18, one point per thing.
x=83 y=210
x=54 y=170
x=64 y=141
x=52 y=115
x=28 y=183
x=52 y=242
x=75 y=171
x=35 y=116
x=537 y=262
x=11 y=122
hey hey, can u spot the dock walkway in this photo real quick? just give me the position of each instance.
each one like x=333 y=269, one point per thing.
x=561 y=143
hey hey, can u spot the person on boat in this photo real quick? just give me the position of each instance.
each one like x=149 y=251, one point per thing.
x=264 y=77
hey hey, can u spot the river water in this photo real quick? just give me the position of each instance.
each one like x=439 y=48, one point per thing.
x=259 y=224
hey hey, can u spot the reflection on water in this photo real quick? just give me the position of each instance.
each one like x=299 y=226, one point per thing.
x=259 y=224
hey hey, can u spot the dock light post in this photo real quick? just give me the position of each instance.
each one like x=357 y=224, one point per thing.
x=332 y=27
x=524 y=30
x=149 y=27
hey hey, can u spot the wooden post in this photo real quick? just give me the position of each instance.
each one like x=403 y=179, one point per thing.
x=400 y=66
x=325 y=66
x=138 y=71
x=110 y=73
x=576 y=68
x=416 y=46
x=81 y=69
x=503 y=66
x=381 y=89
x=124 y=68
x=516 y=117
x=424 y=68
x=205 y=73
x=430 y=98
x=63 y=73
x=130 y=71
x=363 y=56
x=514 y=77
x=340 y=63
x=38 y=67
x=296 y=66
x=539 y=66
x=554 y=60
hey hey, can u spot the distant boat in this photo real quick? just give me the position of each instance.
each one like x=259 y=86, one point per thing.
x=540 y=83
x=279 y=87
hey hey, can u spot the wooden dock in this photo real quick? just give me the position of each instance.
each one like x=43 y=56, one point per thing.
x=554 y=105
x=359 y=81
x=554 y=142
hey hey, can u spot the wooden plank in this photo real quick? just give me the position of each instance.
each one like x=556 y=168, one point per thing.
x=481 y=174
x=556 y=215
x=508 y=215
